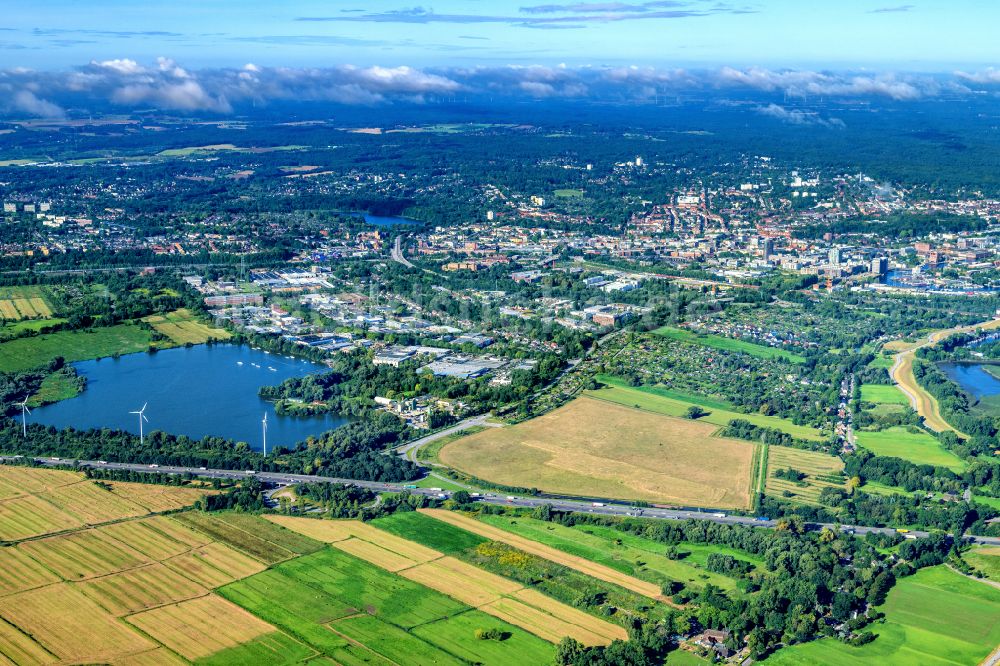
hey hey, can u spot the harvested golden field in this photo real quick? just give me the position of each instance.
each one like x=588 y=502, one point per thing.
x=18 y=572
x=177 y=531
x=83 y=554
x=143 y=536
x=327 y=531
x=72 y=626
x=155 y=498
x=566 y=613
x=593 y=569
x=158 y=657
x=461 y=581
x=140 y=589
x=18 y=648
x=595 y=448
x=92 y=504
x=375 y=554
x=214 y=564
x=202 y=626
x=30 y=516
x=31 y=480
x=542 y=624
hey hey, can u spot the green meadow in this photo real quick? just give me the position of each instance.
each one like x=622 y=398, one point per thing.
x=727 y=344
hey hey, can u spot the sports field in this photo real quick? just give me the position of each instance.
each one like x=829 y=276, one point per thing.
x=917 y=447
x=727 y=344
x=935 y=616
x=182 y=327
x=597 y=448
x=821 y=471
x=672 y=403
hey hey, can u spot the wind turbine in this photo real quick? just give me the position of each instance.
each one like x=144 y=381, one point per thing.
x=142 y=417
x=24 y=417
x=264 y=428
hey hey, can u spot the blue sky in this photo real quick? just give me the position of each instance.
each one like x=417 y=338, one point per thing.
x=925 y=35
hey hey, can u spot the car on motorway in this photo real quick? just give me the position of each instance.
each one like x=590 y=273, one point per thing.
x=154 y=465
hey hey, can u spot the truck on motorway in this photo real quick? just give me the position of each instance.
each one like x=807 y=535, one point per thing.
x=719 y=515
x=597 y=504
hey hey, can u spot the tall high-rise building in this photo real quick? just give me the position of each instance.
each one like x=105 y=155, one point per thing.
x=880 y=266
x=767 y=247
x=836 y=256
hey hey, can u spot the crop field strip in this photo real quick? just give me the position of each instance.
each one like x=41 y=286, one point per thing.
x=464 y=582
x=580 y=564
x=822 y=471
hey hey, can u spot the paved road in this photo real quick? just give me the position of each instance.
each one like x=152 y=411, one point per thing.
x=397 y=253
x=409 y=450
x=606 y=507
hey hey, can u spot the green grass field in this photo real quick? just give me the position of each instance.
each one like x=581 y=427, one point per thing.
x=430 y=452
x=657 y=400
x=935 y=617
x=920 y=447
x=429 y=532
x=55 y=387
x=456 y=634
x=25 y=353
x=275 y=648
x=392 y=642
x=727 y=344
x=636 y=556
x=882 y=361
x=986 y=560
x=569 y=194
x=883 y=394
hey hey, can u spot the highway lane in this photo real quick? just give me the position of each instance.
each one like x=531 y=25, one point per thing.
x=605 y=507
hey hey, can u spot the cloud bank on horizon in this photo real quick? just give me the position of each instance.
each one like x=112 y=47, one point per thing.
x=165 y=85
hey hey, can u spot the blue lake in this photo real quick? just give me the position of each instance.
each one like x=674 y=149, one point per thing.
x=194 y=391
x=972 y=378
x=380 y=221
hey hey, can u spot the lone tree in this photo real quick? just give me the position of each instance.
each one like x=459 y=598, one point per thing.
x=695 y=412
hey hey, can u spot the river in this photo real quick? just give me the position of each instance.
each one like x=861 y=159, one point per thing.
x=193 y=391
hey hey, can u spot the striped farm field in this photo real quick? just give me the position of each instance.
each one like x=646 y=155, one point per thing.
x=156 y=498
x=201 y=627
x=25 y=302
x=83 y=554
x=493 y=594
x=31 y=516
x=32 y=480
x=92 y=504
x=251 y=544
x=215 y=564
x=327 y=531
x=580 y=564
x=18 y=572
x=72 y=626
x=19 y=648
x=145 y=537
x=822 y=471
x=141 y=589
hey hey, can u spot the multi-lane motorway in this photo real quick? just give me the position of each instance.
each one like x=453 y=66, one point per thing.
x=603 y=507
